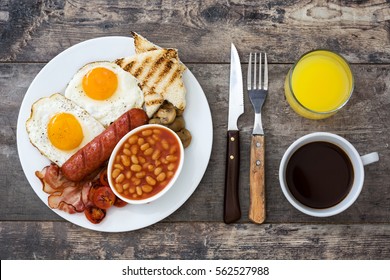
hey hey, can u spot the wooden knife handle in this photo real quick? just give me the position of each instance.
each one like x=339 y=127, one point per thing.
x=232 y=211
x=257 y=180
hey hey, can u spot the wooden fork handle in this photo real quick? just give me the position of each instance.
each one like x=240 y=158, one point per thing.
x=257 y=210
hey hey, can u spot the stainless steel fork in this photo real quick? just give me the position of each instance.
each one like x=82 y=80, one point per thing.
x=257 y=90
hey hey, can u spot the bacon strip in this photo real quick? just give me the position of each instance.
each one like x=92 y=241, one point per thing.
x=64 y=195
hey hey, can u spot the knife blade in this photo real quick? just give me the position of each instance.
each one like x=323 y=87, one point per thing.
x=232 y=211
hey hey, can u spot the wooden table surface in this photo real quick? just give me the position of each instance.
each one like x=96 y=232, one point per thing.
x=33 y=32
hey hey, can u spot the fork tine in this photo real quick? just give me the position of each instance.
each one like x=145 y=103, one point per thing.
x=249 y=78
x=265 y=72
x=254 y=72
x=260 y=85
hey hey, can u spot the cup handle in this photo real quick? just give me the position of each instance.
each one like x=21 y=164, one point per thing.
x=370 y=158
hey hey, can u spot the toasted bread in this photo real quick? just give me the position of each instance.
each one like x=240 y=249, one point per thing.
x=160 y=75
x=142 y=45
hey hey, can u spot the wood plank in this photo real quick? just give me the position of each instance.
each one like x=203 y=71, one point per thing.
x=364 y=122
x=31 y=240
x=22 y=202
x=202 y=31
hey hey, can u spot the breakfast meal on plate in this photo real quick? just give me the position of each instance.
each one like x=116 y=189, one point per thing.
x=105 y=91
x=78 y=129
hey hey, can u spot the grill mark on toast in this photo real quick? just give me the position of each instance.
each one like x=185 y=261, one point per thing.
x=170 y=76
x=171 y=53
x=175 y=76
x=154 y=102
x=155 y=70
x=129 y=66
x=151 y=91
x=152 y=71
x=165 y=71
x=119 y=61
x=138 y=71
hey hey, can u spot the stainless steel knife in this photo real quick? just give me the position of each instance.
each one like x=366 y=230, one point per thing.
x=232 y=211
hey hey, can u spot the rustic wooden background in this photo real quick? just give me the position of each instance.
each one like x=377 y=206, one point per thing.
x=33 y=32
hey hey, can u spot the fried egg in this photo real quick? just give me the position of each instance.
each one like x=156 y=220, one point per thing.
x=105 y=91
x=58 y=127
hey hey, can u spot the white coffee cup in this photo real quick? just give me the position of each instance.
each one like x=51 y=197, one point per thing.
x=357 y=161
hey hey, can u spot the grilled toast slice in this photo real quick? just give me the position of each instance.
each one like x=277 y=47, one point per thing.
x=160 y=75
x=142 y=44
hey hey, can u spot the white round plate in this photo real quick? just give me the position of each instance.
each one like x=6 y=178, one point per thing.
x=55 y=76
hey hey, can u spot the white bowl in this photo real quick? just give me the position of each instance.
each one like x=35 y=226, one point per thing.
x=166 y=188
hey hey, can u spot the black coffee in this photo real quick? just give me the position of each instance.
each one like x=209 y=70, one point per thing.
x=319 y=174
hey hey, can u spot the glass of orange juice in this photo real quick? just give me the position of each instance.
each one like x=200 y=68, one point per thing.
x=319 y=84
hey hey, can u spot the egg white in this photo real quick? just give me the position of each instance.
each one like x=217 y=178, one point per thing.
x=128 y=94
x=41 y=113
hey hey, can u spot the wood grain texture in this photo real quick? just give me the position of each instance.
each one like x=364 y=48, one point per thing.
x=201 y=30
x=257 y=199
x=32 y=240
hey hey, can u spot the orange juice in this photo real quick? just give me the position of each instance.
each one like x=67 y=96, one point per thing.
x=319 y=84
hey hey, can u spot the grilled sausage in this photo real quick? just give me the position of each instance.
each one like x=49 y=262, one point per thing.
x=96 y=152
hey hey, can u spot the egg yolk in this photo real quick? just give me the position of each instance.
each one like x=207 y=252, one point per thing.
x=65 y=132
x=100 y=83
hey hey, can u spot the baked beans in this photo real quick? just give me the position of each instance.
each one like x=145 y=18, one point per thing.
x=145 y=163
